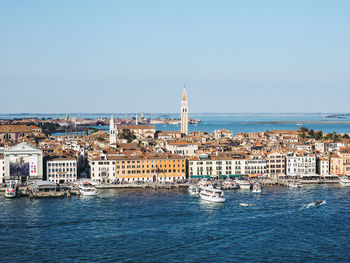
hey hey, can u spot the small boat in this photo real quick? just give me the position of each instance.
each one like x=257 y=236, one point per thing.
x=244 y=204
x=295 y=184
x=344 y=181
x=243 y=184
x=86 y=188
x=193 y=190
x=11 y=191
x=211 y=194
x=256 y=189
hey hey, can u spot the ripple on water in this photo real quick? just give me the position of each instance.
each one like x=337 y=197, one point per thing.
x=171 y=225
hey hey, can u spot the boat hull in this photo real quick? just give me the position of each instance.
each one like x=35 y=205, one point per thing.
x=211 y=199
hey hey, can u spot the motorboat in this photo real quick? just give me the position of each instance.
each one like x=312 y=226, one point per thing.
x=256 y=189
x=243 y=184
x=344 y=181
x=295 y=184
x=203 y=183
x=85 y=188
x=193 y=190
x=11 y=191
x=211 y=194
x=244 y=204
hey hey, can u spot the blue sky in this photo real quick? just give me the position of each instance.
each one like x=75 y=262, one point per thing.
x=133 y=56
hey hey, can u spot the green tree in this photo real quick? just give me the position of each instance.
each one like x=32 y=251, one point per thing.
x=127 y=134
x=346 y=136
x=303 y=129
x=318 y=135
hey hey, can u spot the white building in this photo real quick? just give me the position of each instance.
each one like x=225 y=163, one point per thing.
x=61 y=170
x=301 y=163
x=323 y=166
x=102 y=169
x=213 y=165
x=2 y=169
x=255 y=165
x=184 y=114
x=183 y=148
x=23 y=162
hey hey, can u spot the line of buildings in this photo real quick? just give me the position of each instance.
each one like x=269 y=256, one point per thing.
x=145 y=154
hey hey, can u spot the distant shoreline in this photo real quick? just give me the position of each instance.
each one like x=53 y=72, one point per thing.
x=299 y=122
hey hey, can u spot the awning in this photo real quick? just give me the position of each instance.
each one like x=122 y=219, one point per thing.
x=234 y=175
x=199 y=176
x=253 y=175
x=222 y=176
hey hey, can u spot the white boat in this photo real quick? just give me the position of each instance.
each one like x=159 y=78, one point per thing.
x=193 y=190
x=203 y=183
x=256 y=189
x=211 y=194
x=344 y=181
x=86 y=188
x=295 y=184
x=243 y=184
x=10 y=191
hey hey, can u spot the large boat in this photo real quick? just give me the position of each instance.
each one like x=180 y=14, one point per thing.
x=294 y=184
x=243 y=184
x=86 y=188
x=211 y=194
x=256 y=189
x=11 y=191
x=344 y=181
x=193 y=190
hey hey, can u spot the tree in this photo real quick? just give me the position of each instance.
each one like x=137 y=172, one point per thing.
x=312 y=133
x=127 y=134
x=318 y=135
x=346 y=136
x=303 y=129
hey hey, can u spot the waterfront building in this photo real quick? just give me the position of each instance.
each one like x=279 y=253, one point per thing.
x=61 y=170
x=184 y=114
x=113 y=131
x=340 y=163
x=275 y=164
x=151 y=167
x=300 y=163
x=102 y=169
x=23 y=162
x=148 y=167
x=2 y=169
x=183 y=148
x=323 y=165
x=216 y=165
x=255 y=165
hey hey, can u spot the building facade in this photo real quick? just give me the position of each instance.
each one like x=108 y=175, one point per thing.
x=23 y=162
x=300 y=164
x=61 y=170
x=183 y=148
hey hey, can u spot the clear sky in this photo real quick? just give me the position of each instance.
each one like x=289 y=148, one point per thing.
x=133 y=56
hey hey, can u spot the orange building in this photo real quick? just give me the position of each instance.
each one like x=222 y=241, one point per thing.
x=150 y=167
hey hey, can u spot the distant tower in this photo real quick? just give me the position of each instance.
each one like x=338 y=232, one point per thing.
x=142 y=117
x=184 y=114
x=113 y=131
x=136 y=121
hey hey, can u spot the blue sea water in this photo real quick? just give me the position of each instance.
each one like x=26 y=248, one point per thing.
x=172 y=226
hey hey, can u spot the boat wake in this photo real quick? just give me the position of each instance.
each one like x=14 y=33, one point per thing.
x=245 y=204
x=317 y=203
